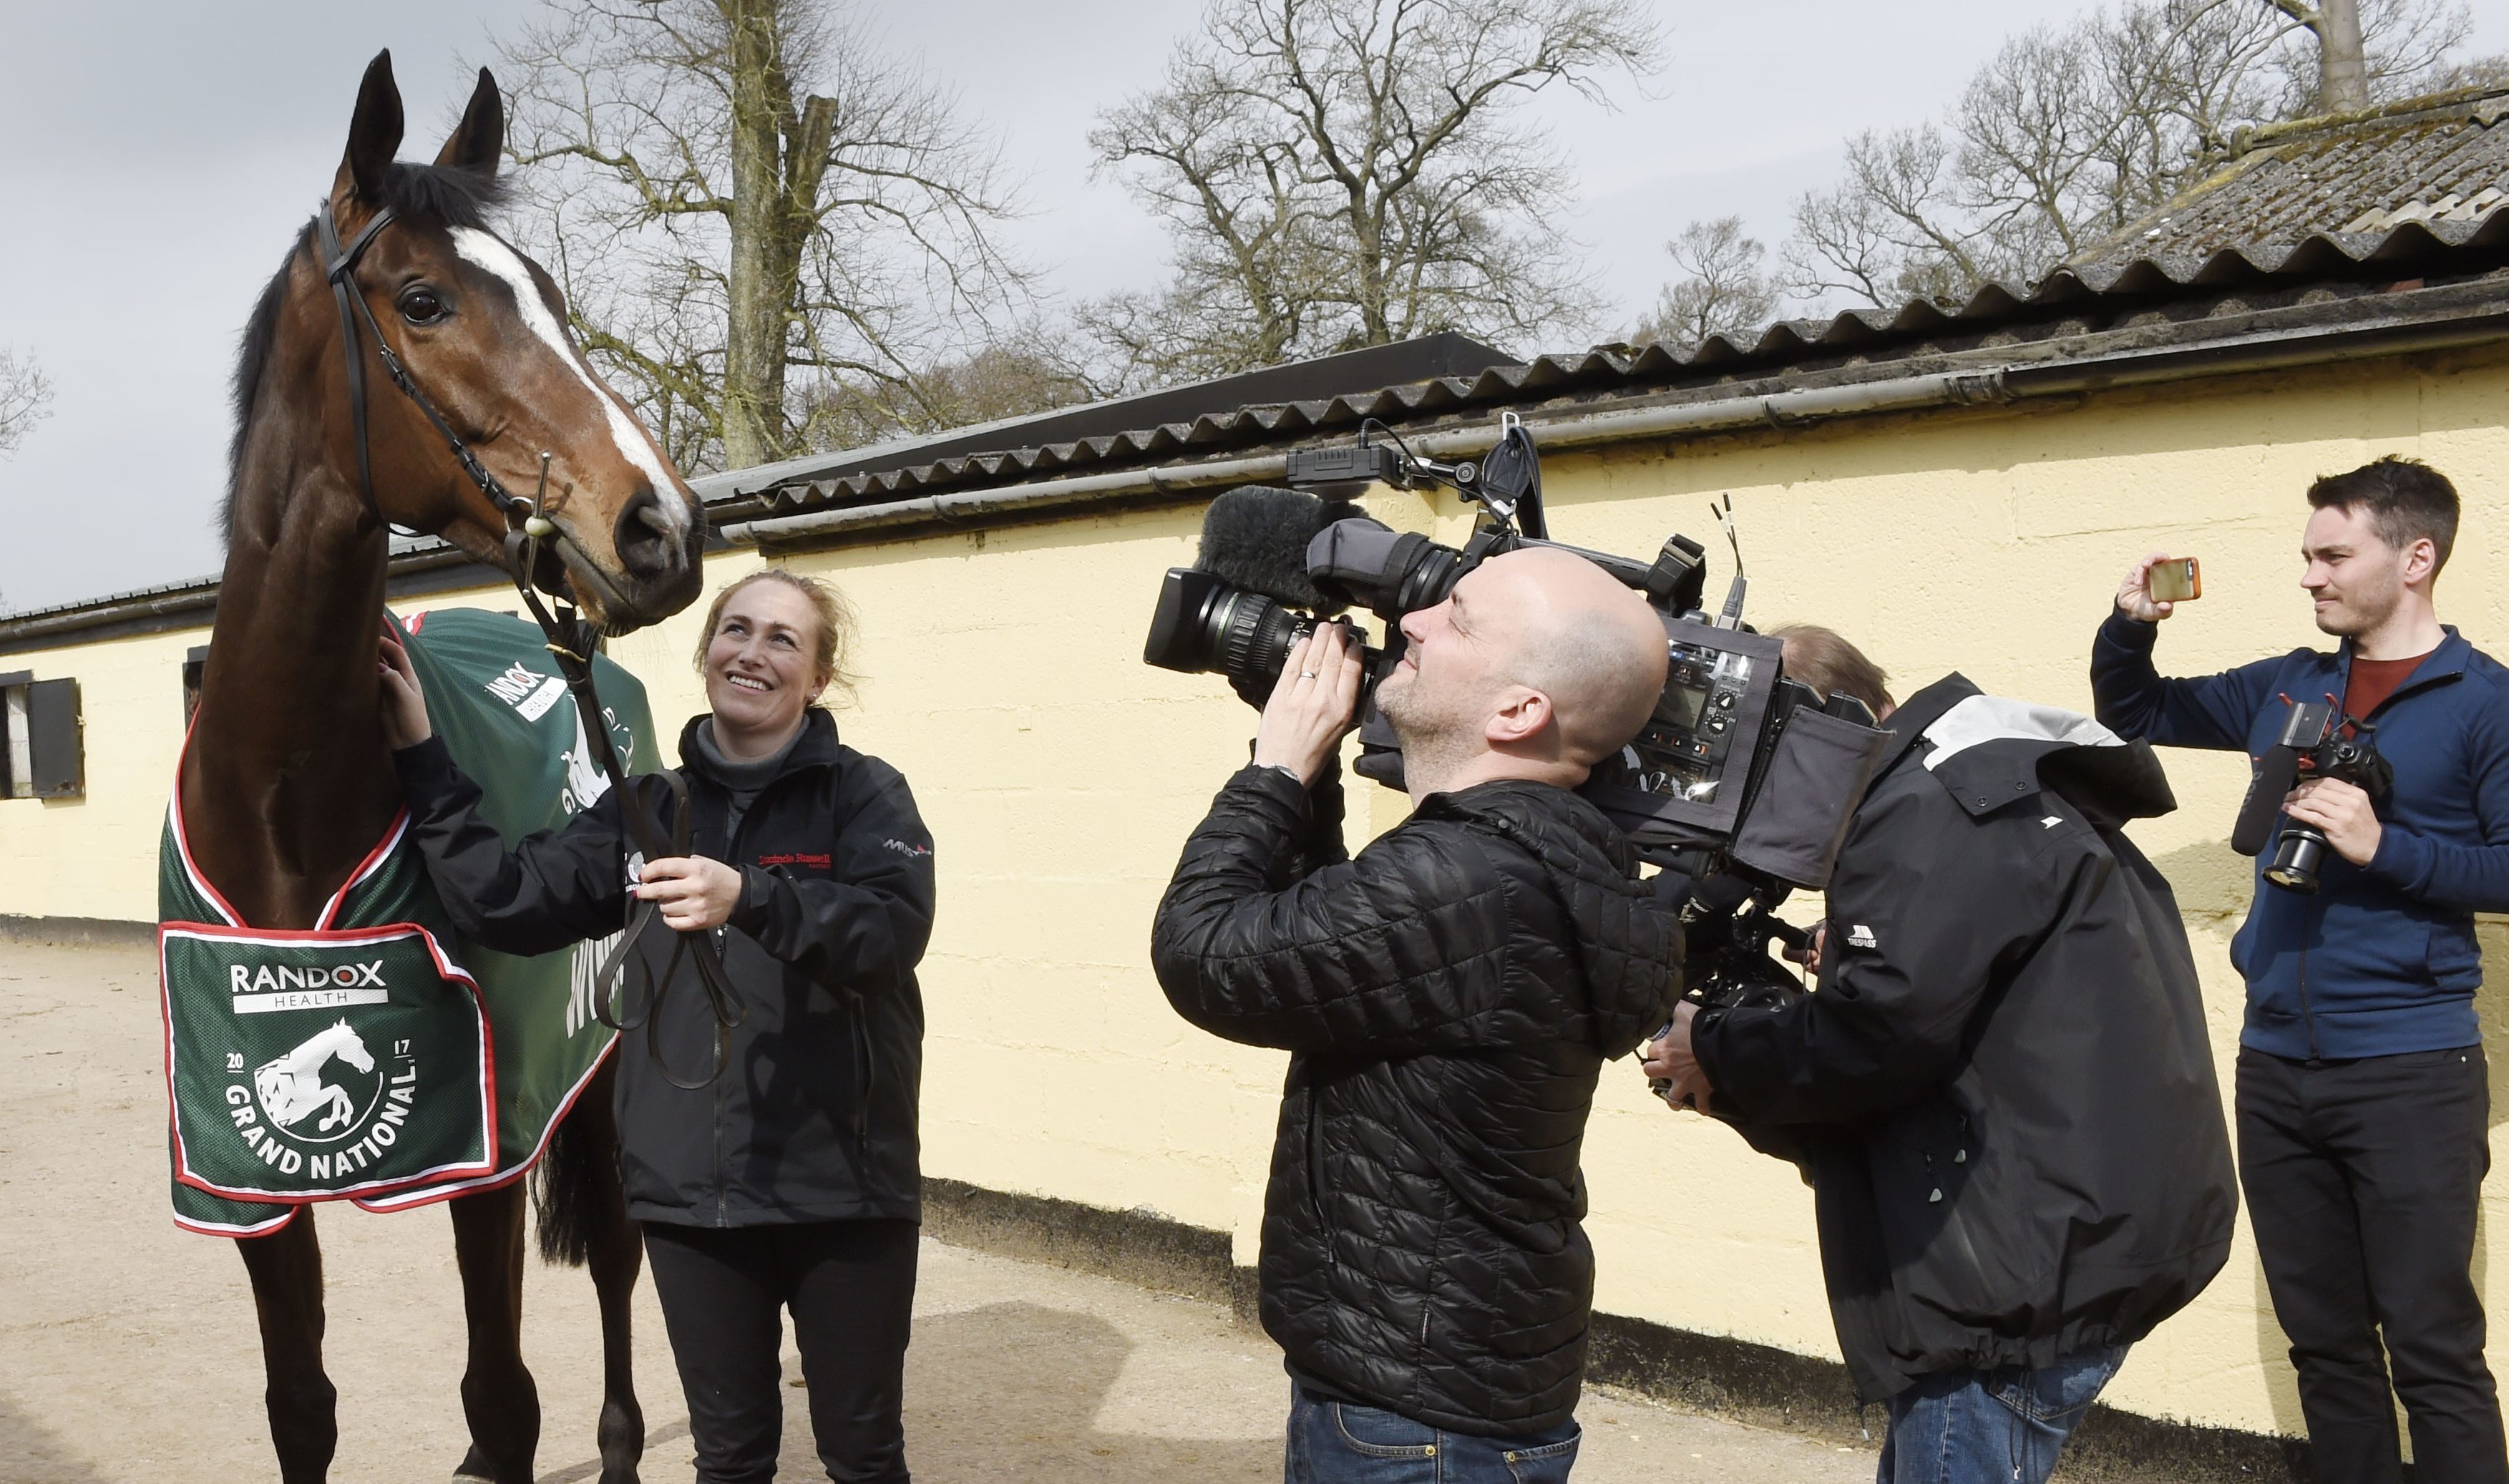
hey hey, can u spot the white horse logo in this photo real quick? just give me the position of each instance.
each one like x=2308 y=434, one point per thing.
x=291 y=1089
x=586 y=782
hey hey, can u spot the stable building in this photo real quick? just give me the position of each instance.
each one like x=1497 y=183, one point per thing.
x=1952 y=486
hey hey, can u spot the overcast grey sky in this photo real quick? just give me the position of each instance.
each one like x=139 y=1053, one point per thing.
x=162 y=154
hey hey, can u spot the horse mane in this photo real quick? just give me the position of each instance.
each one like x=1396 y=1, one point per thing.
x=446 y=196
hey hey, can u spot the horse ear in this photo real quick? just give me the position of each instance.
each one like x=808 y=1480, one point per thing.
x=374 y=137
x=480 y=140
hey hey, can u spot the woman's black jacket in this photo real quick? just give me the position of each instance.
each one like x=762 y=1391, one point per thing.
x=814 y=1118
x=1447 y=1000
x=2002 y=1091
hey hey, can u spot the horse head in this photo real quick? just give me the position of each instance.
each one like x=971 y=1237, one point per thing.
x=482 y=331
x=349 y=1047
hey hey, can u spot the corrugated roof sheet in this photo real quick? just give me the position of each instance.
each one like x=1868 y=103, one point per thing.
x=2071 y=300
x=2442 y=160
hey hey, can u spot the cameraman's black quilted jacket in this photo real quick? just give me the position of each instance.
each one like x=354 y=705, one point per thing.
x=2003 y=1087
x=1447 y=999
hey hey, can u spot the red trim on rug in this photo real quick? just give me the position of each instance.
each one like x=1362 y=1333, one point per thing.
x=389 y=932
x=373 y=863
x=216 y=1229
x=410 y=1201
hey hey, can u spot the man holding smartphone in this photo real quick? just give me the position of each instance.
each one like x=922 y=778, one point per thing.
x=2363 y=1105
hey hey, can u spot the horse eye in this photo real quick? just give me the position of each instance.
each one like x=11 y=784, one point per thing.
x=421 y=304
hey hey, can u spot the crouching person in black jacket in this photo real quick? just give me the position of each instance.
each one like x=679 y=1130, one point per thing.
x=1447 y=999
x=789 y=1180
x=2001 y=1090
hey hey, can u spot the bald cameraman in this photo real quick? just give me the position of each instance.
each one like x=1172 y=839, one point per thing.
x=2363 y=1106
x=1447 y=999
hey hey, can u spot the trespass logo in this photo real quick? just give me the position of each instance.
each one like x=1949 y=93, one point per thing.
x=316 y=987
x=327 y=1108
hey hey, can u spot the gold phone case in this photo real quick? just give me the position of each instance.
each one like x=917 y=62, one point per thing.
x=2176 y=580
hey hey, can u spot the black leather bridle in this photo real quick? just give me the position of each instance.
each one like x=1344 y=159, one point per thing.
x=571 y=638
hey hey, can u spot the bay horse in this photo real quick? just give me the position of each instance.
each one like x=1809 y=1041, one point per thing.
x=287 y=782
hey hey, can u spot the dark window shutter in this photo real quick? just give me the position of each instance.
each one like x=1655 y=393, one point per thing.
x=53 y=730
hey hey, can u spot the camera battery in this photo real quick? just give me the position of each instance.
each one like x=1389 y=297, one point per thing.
x=1355 y=464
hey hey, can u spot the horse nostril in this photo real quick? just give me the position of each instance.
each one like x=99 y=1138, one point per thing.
x=644 y=538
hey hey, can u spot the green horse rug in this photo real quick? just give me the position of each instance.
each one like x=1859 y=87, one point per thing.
x=377 y=1058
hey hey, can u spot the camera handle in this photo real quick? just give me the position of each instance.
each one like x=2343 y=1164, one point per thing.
x=1506 y=484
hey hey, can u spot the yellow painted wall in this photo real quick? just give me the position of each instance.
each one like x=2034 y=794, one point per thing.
x=97 y=856
x=1060 y=776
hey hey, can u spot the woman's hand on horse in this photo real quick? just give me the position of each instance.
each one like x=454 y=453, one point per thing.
x=695 y=892
x=403 y=704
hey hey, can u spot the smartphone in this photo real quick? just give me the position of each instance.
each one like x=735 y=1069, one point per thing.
x=2176 y=580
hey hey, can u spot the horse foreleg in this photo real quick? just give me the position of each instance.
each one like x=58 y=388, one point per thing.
x=287 y=1271
x=498 y=1394
x=617 y=1256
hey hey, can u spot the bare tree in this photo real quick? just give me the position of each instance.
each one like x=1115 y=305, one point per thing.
x=1723 y=288
x=2482 y=72
x=1338 y=174
x=2068 y=133
x=25 y=398
x=995 y=382
x=748 y=206
x=2342 y=71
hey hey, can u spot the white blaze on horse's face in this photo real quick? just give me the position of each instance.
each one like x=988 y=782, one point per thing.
x=483 y=250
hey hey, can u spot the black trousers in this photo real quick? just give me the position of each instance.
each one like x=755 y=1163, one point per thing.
x=2362 y=1179
x=850 y=1285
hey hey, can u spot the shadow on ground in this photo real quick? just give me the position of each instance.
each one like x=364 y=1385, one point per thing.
x=1013 y=1392
x=29 y=1452
x=1008 y=1392
x=663 y=1446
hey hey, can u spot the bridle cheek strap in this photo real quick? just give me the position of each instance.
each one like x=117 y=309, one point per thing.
x=340 y=266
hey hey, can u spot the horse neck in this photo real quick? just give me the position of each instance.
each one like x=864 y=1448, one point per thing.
x=286 y=781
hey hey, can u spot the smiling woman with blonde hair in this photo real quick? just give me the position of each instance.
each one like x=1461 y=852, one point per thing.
x=790 y=1181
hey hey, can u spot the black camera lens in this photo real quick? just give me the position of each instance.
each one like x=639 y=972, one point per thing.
x=2298 y=857
x=1203 y=626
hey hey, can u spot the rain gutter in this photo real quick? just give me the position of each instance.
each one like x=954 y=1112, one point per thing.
x=2286 y=350
x=197 y=602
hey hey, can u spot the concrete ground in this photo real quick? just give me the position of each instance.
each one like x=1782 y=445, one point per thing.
x=128 y=1352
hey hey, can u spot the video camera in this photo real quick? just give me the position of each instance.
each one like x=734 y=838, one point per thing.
x=1739 y=772
x=2317 y=741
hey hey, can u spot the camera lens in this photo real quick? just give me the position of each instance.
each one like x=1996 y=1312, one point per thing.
x=1204 y=626
x=1254 y=634
x=1181 y=634
x=2295 y=861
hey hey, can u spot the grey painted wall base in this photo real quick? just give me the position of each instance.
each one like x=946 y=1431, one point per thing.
x=79 y=932
x=1733 y=1378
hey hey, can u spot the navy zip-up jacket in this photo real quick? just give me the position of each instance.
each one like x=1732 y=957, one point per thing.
x=2381 y=961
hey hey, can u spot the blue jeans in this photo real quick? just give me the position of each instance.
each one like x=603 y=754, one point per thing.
x=1338 y=1442
x=2000 y=1427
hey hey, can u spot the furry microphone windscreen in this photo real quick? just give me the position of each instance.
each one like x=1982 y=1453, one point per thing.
x=1256 y=538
